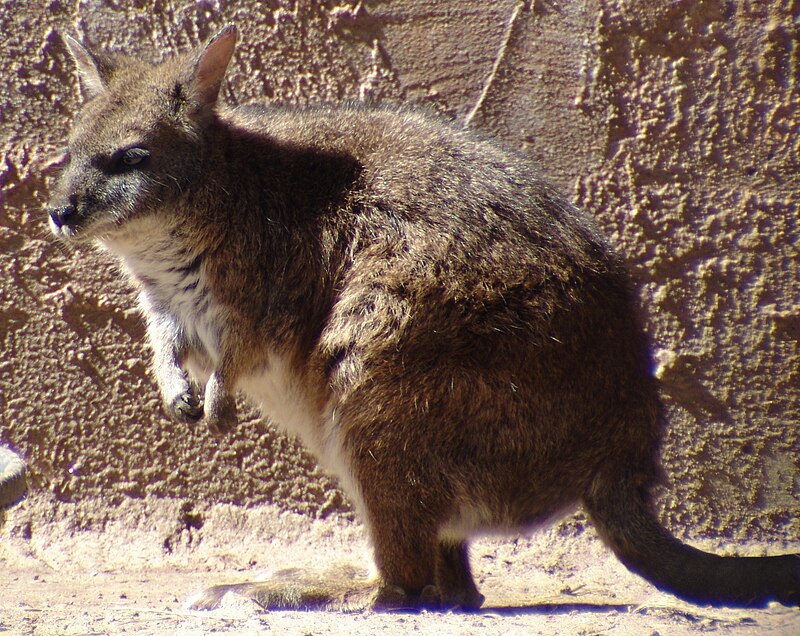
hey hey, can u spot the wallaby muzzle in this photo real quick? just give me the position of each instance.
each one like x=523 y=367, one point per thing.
x=65 y=214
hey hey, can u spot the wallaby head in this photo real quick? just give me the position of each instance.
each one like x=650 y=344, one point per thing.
x=139 y=139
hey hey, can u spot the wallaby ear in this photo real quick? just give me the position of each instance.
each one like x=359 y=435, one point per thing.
x=212 y=64
x=93 y=70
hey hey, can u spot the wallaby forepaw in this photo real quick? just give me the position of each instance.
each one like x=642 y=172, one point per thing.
x=221 y=417
x=186 y=408
x=181 y=401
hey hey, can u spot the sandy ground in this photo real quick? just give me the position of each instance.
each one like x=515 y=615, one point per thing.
x=134 y=577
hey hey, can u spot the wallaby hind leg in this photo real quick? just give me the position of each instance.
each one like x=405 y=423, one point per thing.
x=405 y=554
x=417 y=569
x=455 y=586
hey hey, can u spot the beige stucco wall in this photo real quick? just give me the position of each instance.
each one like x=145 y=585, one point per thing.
x=677 y=126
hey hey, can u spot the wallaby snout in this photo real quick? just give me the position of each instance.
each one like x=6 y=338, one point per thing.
x=63 y=214
x=69 y=212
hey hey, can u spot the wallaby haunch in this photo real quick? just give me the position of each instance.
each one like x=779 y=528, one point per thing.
x=453 y=340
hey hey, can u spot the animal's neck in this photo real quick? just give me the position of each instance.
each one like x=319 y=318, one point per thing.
x=146 y=244
x=160 y=257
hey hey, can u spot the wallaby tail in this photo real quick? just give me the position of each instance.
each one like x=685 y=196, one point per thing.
x=624 y=518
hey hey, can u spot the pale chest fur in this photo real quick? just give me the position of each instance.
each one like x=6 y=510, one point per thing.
x=173 y=284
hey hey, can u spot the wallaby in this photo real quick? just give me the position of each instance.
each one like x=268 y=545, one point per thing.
x=453 y=339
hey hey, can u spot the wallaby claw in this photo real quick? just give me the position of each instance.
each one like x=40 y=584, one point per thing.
x=181 y=401
x=186 y=408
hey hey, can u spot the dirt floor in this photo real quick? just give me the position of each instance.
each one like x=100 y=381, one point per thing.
x=135 y=574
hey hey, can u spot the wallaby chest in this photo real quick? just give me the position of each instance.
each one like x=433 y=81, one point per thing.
x=172 y=280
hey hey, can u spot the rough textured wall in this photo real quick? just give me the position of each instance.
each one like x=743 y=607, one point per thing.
x=675 y=123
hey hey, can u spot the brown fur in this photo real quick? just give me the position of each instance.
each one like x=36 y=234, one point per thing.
x=446 y=332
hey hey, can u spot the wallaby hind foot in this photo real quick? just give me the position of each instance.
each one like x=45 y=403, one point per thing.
x=343 y=590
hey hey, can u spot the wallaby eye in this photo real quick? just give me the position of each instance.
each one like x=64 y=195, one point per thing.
x=132 y=157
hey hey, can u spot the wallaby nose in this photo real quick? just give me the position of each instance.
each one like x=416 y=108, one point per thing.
x=62 y=215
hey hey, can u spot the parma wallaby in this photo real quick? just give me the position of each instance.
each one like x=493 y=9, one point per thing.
x=454 y=340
